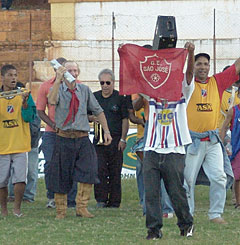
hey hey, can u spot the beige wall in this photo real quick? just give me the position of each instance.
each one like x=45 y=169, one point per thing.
x=63 y=17
x=135 y=23
x=82 y=1
x=63 y=21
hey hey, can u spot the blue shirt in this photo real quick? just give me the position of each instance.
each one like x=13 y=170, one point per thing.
x=235 y=135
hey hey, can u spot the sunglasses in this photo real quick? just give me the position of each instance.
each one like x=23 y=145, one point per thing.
x=107 y=82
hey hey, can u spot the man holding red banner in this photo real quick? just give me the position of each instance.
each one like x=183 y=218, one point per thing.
x=159 y=75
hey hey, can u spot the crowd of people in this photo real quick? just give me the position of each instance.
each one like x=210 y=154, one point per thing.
x=186 y=151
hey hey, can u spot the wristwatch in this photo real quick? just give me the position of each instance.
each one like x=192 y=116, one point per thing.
x=124 y=141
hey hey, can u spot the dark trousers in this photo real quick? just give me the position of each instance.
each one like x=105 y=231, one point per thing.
x=48 y=143
x=73 y=160
x=170 y=168
x=110 y=161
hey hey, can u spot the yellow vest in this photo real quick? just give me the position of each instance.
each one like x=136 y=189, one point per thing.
x=140 y=128
x=225 y=106
x=204 y=107
x=14 y=132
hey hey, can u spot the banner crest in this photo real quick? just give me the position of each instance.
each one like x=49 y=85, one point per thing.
x=155 y=70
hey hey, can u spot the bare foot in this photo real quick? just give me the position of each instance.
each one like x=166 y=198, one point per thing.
x=4 y=213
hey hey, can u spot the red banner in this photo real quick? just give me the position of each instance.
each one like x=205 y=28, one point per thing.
x=156 y=73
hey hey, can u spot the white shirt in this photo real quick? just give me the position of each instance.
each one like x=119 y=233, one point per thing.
x=167 y=127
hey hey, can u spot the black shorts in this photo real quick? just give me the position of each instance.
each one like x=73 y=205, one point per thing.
x=72 y=160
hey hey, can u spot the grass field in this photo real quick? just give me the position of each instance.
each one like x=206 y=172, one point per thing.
x=113 y=226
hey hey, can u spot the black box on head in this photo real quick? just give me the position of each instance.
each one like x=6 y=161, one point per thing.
x=165 y=33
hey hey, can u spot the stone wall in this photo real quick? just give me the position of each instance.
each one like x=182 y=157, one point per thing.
x=22 y=36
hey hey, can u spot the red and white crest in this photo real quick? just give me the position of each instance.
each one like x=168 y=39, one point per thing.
x=155 y=70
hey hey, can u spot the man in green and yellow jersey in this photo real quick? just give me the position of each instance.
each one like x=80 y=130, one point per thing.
x=16 y=111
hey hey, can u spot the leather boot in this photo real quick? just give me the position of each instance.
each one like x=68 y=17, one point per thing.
x=61 y=205
x=83 y=196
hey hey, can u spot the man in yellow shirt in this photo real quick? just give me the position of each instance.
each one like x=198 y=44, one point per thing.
x=229 y=99
x=206 y=150
x=16 y=112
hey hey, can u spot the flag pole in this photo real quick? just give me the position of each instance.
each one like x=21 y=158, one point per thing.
x=113 y=28
x=30 y=53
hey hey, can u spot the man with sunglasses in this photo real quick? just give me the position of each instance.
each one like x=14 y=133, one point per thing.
x=110 y=158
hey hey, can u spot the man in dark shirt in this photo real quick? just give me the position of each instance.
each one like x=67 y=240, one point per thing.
x=110 y=158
